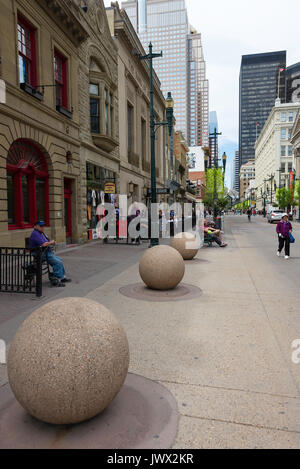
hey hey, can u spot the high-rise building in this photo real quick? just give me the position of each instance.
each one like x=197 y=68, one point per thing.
x=181 y=70
x=293 y=83
x=262 y=80
x=198 y=109
x=236 y=185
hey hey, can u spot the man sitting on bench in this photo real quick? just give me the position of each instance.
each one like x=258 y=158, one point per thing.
x=39 y=239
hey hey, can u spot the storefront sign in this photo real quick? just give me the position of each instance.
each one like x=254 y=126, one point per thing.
x=110 y=188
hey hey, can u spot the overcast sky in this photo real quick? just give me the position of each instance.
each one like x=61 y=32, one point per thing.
x=232 y=28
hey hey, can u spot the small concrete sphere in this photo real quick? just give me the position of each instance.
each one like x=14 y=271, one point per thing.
x=180 y=243
x=68 y=361
x=162 y=268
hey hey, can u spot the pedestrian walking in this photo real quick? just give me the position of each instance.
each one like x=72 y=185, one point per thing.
x=249 y=213
x=284 y=230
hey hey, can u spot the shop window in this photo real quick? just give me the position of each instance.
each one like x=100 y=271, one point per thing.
x=27 y=185
x=61 y=83
x=95 y=108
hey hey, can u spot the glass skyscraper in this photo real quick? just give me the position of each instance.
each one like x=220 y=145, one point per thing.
x=165 y=24
x=198 y=107
x=262 y=80
x=293 y=83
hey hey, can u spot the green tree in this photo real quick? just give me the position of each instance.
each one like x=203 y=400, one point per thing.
x=281 y=197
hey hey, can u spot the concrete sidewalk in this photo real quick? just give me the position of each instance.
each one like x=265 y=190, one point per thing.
x=225 y=356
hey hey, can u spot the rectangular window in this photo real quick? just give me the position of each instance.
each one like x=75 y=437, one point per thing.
x=283 y=117
x=27 y=52
x=290 y=167
x=130 y=126
x=95 y=109
x=40 y=199
x=111 y=114
x=291 y=117
x=283 y=150
x=60 y=77
x=25 y=194
x=107 y=109
x=143 y=139
x=290 y=150
x=283 y=134
x=11 y=199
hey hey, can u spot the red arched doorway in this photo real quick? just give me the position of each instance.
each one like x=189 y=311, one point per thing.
x=27 y=185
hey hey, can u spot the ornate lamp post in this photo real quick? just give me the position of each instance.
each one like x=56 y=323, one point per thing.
x=170 y=113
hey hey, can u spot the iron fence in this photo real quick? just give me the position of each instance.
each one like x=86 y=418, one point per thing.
x=21 y=270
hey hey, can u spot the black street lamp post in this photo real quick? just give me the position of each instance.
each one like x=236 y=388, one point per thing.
x=170 y=116
x=214 y=135
x=149 y=57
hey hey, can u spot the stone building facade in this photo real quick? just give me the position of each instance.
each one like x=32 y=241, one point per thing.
x=134 y=112
x=50 y=54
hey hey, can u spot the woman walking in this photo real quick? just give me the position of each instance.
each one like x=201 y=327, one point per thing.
x=283 y=229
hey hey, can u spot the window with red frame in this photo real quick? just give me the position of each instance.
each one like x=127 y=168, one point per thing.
x=27 y=185
x=60 y=77
x=27 y=52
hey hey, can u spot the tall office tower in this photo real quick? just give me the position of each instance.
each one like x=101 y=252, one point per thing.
x=293 y=83
x=165 y=24
x=237 y=172
x=262 y=80
x=198 y=109
x=213 y=143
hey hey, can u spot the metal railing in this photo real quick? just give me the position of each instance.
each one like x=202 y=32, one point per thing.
x=21 y=270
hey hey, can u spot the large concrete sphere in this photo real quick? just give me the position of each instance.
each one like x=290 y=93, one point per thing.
x=180 y=243
x=68 y=361
x=162 y=268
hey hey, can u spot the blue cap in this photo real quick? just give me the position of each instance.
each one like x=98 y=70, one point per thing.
x=40 y=223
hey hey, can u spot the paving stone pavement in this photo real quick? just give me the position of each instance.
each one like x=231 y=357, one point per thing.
x=225 y=356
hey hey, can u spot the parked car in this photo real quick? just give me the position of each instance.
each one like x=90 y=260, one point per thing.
x=275 y=216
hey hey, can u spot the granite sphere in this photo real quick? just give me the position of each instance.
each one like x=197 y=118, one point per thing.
x=181 y=243
x=162 y=268
x=68 y=361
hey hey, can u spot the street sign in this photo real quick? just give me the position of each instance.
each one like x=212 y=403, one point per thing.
x=160 y=191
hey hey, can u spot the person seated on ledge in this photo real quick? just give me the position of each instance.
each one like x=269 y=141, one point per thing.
x=39 y=239
x=216 y=235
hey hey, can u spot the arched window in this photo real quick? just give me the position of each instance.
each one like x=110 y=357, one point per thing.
x=27 y=185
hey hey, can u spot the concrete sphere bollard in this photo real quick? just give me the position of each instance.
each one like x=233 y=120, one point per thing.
x=162 y=268
x=180 y=243
x=68 y=361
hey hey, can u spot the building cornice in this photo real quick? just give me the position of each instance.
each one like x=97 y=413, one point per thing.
x=66 y=12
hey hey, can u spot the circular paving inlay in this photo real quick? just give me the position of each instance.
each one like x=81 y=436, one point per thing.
x=143 y=415
x=139 y=291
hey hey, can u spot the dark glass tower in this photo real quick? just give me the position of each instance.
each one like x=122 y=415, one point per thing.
x=293 y=83
x=262 y=80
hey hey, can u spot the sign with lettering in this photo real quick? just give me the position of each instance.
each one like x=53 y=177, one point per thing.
x=110 y=188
